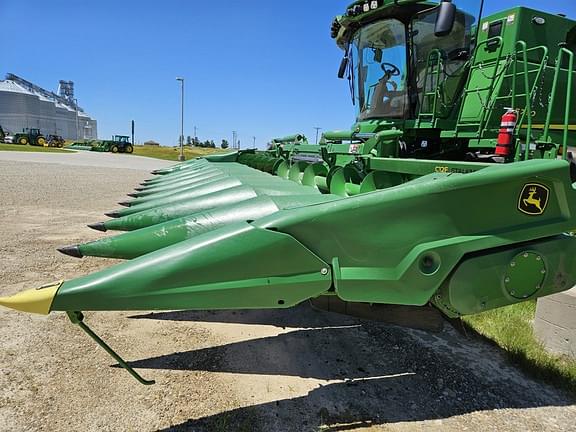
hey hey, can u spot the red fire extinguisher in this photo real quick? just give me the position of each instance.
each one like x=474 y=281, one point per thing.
x=506 y=133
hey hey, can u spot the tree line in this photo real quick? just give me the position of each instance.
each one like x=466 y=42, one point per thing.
x=194 y=141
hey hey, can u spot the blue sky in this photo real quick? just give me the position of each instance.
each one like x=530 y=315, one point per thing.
x=262 y=68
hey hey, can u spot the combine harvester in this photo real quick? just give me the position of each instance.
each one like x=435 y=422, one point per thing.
x=454 y=188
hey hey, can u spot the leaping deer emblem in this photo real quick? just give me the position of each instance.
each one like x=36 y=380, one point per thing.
x=533 y=201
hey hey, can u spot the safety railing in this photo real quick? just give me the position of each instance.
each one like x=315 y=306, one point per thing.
x=563 y=52
x=433 y=61
x=522 y=51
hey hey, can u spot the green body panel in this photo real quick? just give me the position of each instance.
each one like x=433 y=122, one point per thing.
x=185 y=207
x=498 y=278
x=246 y=177
x=272 y=184
x=200 y=179
x=189 y=275
x=193 y=170
x=381 y=262
x=187 y=193
x=145 y=240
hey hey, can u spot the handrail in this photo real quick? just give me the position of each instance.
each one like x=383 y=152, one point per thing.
x=437 y=71
x=563 y=51
x=528 y=91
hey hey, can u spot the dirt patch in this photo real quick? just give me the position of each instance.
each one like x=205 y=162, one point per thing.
x=286 y=370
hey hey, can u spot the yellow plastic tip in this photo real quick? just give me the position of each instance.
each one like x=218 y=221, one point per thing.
x=37 y=300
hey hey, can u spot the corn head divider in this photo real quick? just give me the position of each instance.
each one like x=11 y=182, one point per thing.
x=454 y=188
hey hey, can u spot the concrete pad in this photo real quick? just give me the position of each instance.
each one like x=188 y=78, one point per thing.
x=89 y=159
x=555 y=323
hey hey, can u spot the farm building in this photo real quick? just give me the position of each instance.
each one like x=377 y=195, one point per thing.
x=24 y=105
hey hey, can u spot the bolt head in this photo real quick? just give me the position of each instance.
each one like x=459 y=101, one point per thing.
x=525 y=255
x=543 y=271
x=324 y=271
x=538 y=258
x=513 y=264
x=507 y=280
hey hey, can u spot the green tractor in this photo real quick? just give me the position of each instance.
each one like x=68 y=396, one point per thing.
x=55 y=141
x=30 y=136
x=118 y=144
x=2 y=135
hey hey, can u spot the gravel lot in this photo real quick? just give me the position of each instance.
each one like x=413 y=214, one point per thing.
x=293 y=370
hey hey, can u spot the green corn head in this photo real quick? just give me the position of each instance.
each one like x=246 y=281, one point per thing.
x=429 y=199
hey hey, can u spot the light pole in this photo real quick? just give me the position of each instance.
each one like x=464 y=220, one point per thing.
x=317 y=129
x=77 y=127
x=181 y=157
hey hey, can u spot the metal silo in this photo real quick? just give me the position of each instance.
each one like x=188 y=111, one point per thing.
x=25 y=105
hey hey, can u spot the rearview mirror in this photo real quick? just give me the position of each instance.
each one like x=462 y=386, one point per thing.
x=445 y=19
x=343 y=66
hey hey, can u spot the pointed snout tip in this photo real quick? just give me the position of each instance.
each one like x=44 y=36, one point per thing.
x=112 y=214
x=98 y=226
x=38 y=301
x=73 y=251
x=125 y=203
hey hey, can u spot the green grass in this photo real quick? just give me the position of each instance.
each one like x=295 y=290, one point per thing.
x=171 y=153
x=29 y=148
x=167 y=153
x=511 y=328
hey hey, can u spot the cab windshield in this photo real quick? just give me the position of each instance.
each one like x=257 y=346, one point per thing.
x=379 y=63
x=393 y=64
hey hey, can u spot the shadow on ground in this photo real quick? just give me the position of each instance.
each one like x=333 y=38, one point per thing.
x=285 y=318
x=384 y=374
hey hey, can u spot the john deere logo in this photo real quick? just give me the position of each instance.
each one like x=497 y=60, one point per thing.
x=533 y=199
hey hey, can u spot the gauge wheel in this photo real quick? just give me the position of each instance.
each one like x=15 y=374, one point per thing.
x=129 y=149
x=114 y=149
x=59 y=144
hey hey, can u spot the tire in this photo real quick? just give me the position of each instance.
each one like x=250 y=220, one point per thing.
x=129 y=149
x=59 y=144
x=114 y=149
x=41 y=141
x=23 y=140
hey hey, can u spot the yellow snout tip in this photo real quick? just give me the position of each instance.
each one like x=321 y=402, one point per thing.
x=37 y=300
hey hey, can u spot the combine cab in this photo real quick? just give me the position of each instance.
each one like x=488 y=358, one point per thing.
x=453 y=188
x=30 y=136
